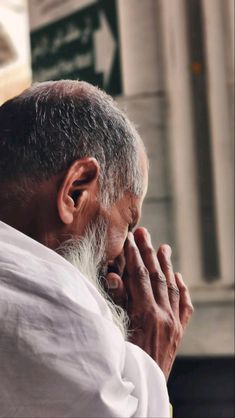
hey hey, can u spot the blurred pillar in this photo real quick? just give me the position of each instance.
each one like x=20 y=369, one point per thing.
x=221 y=130
x=139 y=52
x=144 y=99
x=181 y=139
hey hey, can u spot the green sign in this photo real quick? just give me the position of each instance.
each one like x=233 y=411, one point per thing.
x=83 y=45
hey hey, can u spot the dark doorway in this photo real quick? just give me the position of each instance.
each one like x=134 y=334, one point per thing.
x=202 y=387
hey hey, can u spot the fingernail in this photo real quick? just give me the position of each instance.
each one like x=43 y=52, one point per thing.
x=113 y=284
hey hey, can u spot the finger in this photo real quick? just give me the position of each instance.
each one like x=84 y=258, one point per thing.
x=164 y=257
x=139 y=284
x=186 y=307
x=116 y=289
x=158 y=281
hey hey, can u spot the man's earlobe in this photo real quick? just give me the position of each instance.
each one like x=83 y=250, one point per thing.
x=66 y=210
x=81 y=180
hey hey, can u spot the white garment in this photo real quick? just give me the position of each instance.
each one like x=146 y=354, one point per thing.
x=61 y=355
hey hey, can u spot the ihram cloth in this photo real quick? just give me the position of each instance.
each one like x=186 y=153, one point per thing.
x=61 y=355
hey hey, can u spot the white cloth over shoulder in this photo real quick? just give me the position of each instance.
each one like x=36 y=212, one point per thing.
x=61 y=355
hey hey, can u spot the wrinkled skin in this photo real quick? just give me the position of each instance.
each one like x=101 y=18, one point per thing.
x=156 y=299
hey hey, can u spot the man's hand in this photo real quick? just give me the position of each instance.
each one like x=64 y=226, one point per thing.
x=157 y=300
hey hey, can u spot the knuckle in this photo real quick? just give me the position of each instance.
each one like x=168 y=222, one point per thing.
x=142 y=272
x=188 y=311
x=184 y=288
x=148 y=251
x=158 y=276
x=173 y=291
x=167 y=267
x=172 y=285
x=165 y=251
x=168 y=264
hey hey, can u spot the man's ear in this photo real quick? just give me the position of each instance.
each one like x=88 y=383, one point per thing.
x=80 y=182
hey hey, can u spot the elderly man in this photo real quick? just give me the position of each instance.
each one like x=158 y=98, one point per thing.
x=90 y=316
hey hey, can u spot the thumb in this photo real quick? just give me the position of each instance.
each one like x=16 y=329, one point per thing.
x=116 y=289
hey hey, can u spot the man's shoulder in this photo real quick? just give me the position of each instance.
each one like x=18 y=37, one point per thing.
x=34 y=273
x=46 y=304
x=15 y=246
x=24 y=257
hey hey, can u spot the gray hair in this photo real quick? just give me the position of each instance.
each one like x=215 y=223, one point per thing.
x=52 y=124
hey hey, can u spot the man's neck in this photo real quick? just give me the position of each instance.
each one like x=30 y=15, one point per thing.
x=15 y=221
x=26 y=223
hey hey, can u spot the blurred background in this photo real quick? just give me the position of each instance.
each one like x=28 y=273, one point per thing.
x=170 y=65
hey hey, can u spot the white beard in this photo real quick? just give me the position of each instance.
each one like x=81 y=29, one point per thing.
x=87 y=254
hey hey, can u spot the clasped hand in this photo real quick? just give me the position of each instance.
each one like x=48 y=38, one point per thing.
x=157 y=300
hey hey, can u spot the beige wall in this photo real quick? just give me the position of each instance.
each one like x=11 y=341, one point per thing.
x=15 y=71
x=157 y=96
